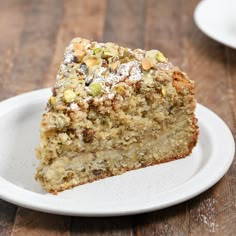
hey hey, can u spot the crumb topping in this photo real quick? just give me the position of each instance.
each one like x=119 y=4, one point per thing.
x=98 y=72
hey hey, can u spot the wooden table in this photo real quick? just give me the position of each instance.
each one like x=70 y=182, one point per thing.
x=33 y=35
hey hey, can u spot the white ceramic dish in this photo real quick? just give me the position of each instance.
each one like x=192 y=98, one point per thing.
x=137 y=191
x=217 y=19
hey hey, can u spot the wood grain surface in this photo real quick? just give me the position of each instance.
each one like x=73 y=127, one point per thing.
x=33 y=35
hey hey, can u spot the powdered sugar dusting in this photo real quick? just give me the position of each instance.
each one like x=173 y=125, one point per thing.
x=63 y=67
x=135 y=72
x=205 y=213
x=82 y=69
x=69 y=56
x=74 y=106
x=111 y=95
x=131 y=70
x=126 y=71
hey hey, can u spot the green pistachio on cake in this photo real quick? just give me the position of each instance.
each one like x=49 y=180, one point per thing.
x=114 y=65
x=98 y=52
x=121 y=52
x=109 y=52
x=151 y=56
x=160 y=57
x=127 y=52
x=155 y=56
x=69 y=96
x=96 y=89
x=92 y=61
x=52 y=100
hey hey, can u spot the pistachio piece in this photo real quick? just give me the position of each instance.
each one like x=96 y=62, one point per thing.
x=79 y=43
x=52 y=100
x=160 y=57
x=69 y=96
x=151 y=56
x=98 y=52
x=92 y=61
x=121 y=51
x=151 y=53
x=77 y=46
x=146 y=64
x=93 y=45
x=96 y=89
x=120 y=90
x=79 y=55
x=109 y=52
x=126 y=52
x=106 y=53
x=110 y=60
x=114 y=65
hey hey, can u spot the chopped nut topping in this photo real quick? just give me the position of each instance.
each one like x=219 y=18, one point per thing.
x=151 y=56
x=114 y=65
x=146 y=64
x=52 y=100
x=77 y=46
x=121 y=51
x=92 y=61
x=79 y=55
x=109 y=52
x=160 y=57
x=80 y=44
x=91 y=69
x=69 y=96
x=96 y=89
x=98 y=51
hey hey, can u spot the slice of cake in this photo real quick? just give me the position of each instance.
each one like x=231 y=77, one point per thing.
x=113 y=110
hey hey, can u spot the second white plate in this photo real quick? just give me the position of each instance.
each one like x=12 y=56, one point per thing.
x=137 y=191
x=217 y=19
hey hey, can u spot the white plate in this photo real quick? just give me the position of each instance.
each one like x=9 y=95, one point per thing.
x=217 y=19
x=137 y=191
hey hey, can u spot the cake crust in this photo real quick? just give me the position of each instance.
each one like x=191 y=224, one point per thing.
x=113 y=110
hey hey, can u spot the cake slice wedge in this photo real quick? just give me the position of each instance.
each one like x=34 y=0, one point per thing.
x=112 y=110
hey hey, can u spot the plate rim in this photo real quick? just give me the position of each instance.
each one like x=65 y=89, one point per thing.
x=197 y=21
x=11 y=192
